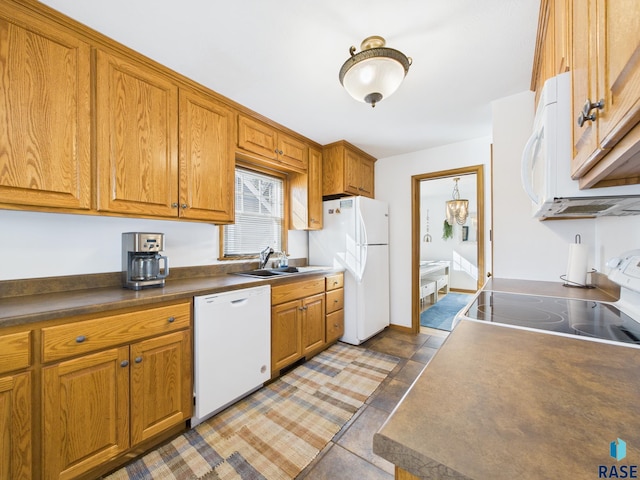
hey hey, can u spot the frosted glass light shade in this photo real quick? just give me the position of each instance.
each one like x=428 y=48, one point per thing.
x=375 y=73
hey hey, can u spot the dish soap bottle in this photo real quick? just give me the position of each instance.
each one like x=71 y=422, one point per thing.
x=284 y=261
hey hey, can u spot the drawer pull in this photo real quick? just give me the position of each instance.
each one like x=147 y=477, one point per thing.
x=335 y=282
x=80 y=338
x=335 y=300
x=171 y=319
x=138 y=360
x=124 y=363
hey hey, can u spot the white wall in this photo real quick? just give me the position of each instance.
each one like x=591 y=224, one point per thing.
x=615 y=236
x=393 y=185
x=34 y=245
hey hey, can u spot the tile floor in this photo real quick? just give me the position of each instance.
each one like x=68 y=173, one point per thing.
x=350 y=454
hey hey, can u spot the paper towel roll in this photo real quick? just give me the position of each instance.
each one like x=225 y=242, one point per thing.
x=577 y=265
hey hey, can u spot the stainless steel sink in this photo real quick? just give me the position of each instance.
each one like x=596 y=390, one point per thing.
x=268 y=272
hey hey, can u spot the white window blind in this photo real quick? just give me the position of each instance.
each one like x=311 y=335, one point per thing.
x=259 y=215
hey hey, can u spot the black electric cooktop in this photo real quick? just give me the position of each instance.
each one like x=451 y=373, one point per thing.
x=562 y=315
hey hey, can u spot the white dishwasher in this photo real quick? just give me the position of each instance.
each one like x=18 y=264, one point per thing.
x=232 y=347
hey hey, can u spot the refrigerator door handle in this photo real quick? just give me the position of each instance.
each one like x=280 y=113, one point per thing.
x=362 y=247
x=363 y=261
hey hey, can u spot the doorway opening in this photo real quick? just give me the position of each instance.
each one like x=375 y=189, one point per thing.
x=447 y=244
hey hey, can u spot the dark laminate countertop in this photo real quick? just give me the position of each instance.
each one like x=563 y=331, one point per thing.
x=19 y=310
x=608 y=293
x=503 y=403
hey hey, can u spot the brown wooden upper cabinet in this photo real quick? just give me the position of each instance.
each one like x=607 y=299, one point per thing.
x=606 y=90
x=207 y=165
x=552 y=46
x=157 y=159
x=137 y=138
x=283 y=150
x=46 y=119
x=306 y=195
x=347 y=170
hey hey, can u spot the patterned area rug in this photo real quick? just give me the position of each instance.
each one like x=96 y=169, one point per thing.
x=275 y=432
x=441 y=314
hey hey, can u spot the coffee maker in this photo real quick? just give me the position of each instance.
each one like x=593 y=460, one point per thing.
x=141 y=260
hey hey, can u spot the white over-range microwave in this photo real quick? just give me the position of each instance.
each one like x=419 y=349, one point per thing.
x=546 y=164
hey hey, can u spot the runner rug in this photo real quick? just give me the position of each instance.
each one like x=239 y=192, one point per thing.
x=277 y=431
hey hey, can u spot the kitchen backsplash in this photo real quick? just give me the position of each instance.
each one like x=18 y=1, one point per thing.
x=35 y=245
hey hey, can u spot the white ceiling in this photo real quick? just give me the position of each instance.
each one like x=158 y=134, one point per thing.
x=281 y=59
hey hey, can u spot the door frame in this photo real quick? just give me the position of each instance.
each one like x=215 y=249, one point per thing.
x=415 y=230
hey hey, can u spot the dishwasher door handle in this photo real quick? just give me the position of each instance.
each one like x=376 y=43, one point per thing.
x=239 y=302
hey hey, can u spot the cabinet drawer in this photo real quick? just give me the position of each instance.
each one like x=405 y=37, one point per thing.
x=335 y=325
x=294 y=291
x=88 y=335
x=335 y=281
x=15 y=351
x=335 y=300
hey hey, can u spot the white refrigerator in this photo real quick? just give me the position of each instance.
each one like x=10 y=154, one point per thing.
x=355 y=237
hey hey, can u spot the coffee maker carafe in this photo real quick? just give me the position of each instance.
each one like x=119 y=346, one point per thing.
x=141 y=260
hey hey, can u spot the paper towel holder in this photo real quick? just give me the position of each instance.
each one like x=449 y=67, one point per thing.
x=568 y=282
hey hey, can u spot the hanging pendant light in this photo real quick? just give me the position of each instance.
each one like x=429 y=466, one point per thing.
x=457 y=210
x=374 y=73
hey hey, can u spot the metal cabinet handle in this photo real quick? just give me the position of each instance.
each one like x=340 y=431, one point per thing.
x=171 y=319
x=174 y=205
x=80 y=338
x=124 y=363
x=588 y=106
x=582 y=118
x=335 y=300
x=184 y=206
x=138 y=360
x=586 y=114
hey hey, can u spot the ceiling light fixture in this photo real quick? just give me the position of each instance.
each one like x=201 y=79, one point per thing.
x=374 y=73
x=457 y=210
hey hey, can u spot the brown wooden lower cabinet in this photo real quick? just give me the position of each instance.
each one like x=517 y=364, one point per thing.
x=85 y=412
x=335 y=307
x=300 y=318
x=16 y=413
x=15 y=427
x=313 y=323
x=99 y=405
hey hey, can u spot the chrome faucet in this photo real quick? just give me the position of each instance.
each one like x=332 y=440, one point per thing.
x=264 y=257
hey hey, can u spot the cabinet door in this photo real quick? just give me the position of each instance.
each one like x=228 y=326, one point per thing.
x=161 y=387
x=366 y=178
x=618 y=68
x=314 y=173
x=306 y=195
x=137 y=138
x=15 y=427
x=85 y=412
x=207 y=146
x=351 y=172
x=286 y=345
x=45 y=114
x=257 y=137
x=292 y=152
x=313 y=323
x=335 y=325
x=584 y=86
